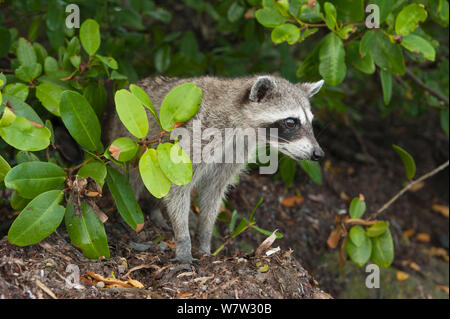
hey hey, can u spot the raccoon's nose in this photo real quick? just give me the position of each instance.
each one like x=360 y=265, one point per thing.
x=318 y=154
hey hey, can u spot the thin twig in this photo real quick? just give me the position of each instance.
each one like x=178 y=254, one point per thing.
x=432 y=91
x=412 y=183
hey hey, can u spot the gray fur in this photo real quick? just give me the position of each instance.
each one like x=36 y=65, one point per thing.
x=251 y=102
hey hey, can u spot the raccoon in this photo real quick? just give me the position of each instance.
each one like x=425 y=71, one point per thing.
x=260 y=101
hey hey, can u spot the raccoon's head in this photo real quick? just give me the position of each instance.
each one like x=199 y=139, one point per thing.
x=274 y=102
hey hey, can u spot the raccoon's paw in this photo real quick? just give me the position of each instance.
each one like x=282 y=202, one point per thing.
x=157 y=217
x=183 y=260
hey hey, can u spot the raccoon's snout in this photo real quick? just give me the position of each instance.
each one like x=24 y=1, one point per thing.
x=317 y=154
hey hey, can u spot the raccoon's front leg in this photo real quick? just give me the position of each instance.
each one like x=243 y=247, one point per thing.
x=211 y=190
x=178 y=203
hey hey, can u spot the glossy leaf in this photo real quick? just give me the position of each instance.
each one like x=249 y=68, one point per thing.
x=332 y=60
x=80 y=120
x=409 y=18
x=175 y=163
x=18 y=90
x=179 y=105
x=50 y=97
x=4 y=168
x=38 y=219
x=131 y=113
x=90 y=36
x=144 y=98
x=285 y=32
x=417 y=44
x=313 y=170
x=125 y=199
x=25 y=52
x=408 y=161
x=86 y=231
x=359 y=254
x=22 y=135
x=357 y=235
x=387 y=55
x=378 y=229
x=269 y=17
x=123 y=149
x=152 y=175
x=357 y=208
x=383 y=249
x=30 y=179
x=365 y=64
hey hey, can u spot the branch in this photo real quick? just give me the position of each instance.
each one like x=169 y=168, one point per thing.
x=432 y=91
x=422 y=178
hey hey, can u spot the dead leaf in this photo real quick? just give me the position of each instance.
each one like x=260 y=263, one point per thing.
x=139 y=227
x=46 y=289
x=344 y=196
x=272 y=251
x=115 y=151
x=291 y=201
x=334 y=237
x=416 y=187
x=350 y=170
x=266 y=244
x=135 y=283
x=440 y=252
x=443 y=288
x=441 y=209
x=400 y=275
x=361 y=197
x=409 y=232
x=411 y=264
x=248 y=14
x=423 y=237
x=317 y=198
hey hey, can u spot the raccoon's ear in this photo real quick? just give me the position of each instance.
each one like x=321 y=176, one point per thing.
x=261 y=88
x=312 y=88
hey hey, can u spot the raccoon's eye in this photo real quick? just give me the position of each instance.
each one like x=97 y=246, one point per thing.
x=291 y=123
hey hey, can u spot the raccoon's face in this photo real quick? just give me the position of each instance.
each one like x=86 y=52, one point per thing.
x=281 y=105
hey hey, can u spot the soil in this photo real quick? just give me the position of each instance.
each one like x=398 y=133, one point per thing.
x=304 y=267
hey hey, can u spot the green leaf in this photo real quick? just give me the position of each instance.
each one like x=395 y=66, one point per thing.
x=18 y=90
x=125 y=199
x=94 y=169
x=243 y=225
x=332 y=59
x=266 y=232
x=25 y=53
x=310 y=15
x=24 y=156
x=366 y=42
x=175 y=163
x=357 y=208
x=179 y=105
x=350 y=11
x=38 y=219
x=86 y=231
x=17 y=202
x=28 y=72
x=387 y=55
x=417 y=44
x=108 y=61
x=162 y=58
x=386 y=85
x=152 y=175
x=409 y=18
x=378 y=229
x=22 y=135
x=385 y=7
x=131 y=113
x=145 y=99
x=365 y=64
x=269 y=17
x=439 y=11
x=357 y=235
x=7 y=118
x=30 y=179
x=50 y=97
x=22 y=109
x=80 y=120
x=287 y=170
x=233 y=221
x=4 y=168
x=124 y=149
x=330 y=15
x=285 y=32
x=90 y=36
x=383 y=249
x=96 y=95
x=359 y=254
x=313 y=170
x=408 y=161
